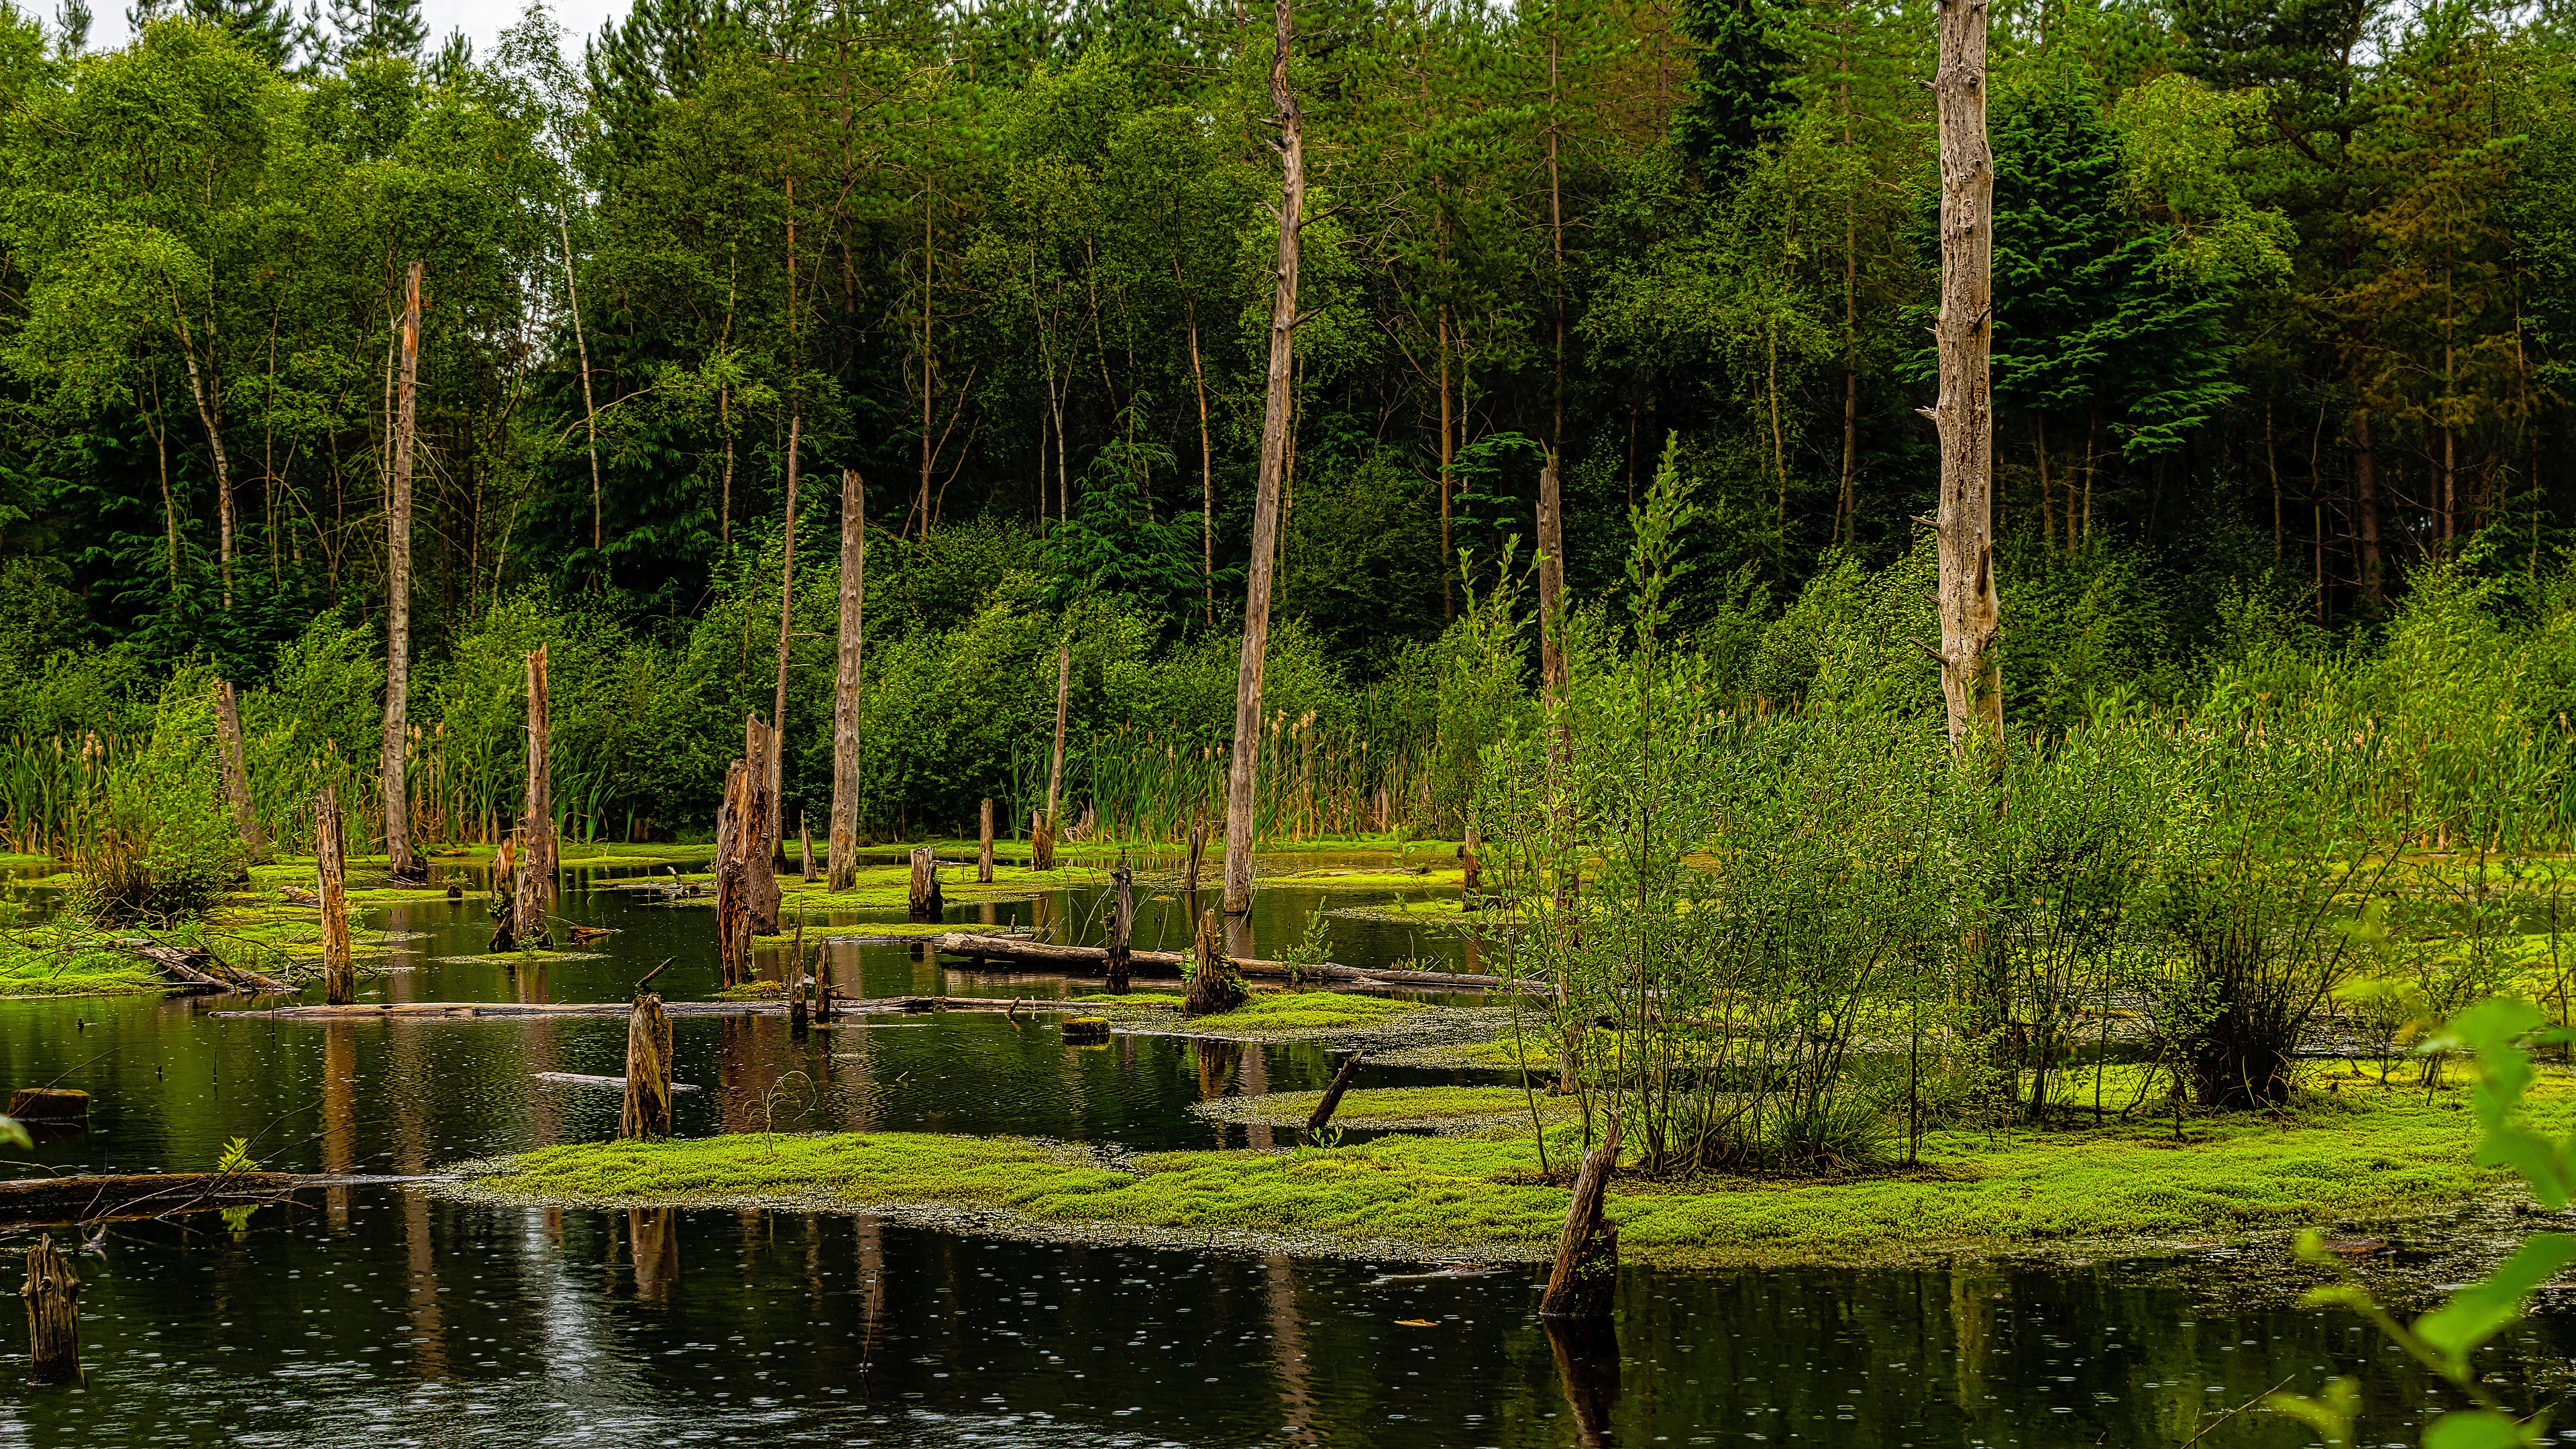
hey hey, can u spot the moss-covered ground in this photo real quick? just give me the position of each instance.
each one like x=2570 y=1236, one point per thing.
x=1441 y=1109
x=1269 y=1015
x=2363 y=1152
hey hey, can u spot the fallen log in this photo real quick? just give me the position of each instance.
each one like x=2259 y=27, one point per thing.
x=576 y=1079
x=197 y=968
x=1168 y=963
x=30 y=1200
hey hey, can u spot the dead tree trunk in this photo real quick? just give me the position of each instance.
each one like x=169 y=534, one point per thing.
x=1198 y=850
x=1215 y=985
x=1587 y=1254
x=758 y=843
x=841 y=851
x=737 y=835
x=1122 y=925
x=1471 y=873
x=924 y=900
x=1041 y=842
x=401 y=862
x=536 y=872
x=52 y=1291
x=1055 y=764
x=1971 y=615
x=1342 y=1081
x=804 y=848
x=984 y=844
x=1276 y=399
x=339 y=972
x=647 y=1114
x=581 y=350
x=236 y=769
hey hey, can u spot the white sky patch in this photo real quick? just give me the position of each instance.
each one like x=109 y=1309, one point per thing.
x=481 y=20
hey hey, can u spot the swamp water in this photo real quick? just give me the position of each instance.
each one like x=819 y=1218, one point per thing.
x=387 y=1315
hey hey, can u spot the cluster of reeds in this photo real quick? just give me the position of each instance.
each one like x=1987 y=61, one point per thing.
x=1316 y=781
x=49 y=789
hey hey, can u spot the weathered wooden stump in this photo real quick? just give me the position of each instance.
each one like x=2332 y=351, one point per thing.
x=1122 y=926
x=1198 y=849
x=1041 y=841
x=1086 y=1029
x=647 y=1115
x=1342 y=1081
x=1580 y=1283
x=925 y=885
x=984 y=846
x=49 y=1105
x=804 y=848
x=339 y=970
x=53 y=1327
x=532 y=885
x=1469 y=889
x=737 y=834
x=1215 y=986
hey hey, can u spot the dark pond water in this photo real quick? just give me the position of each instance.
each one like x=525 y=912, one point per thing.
x=384 y=1315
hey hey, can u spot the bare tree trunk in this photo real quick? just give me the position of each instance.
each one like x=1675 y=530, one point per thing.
x=1448 y=430
x=1240 y=781
x=339 y=972
x=1055 y=767
x=1971 y=614
x=984 y=845
x=228 y=731
x=2365 y=503
x=1207 y=465
x=223 y=465
x=536 y=819
x=786 y=601
x=841 y=852
x=758 y=840
x=1122 y=925
x=589 y=412
x=1587 y=1253
x=402 y=864
x=736 y=833
x=646 y=1115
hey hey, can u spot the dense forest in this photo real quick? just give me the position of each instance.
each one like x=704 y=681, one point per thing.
x=2284 y=310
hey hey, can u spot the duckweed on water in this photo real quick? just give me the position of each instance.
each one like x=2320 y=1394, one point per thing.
x=2367 y=1152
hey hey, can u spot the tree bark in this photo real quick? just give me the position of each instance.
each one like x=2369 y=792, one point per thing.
x=236 y=769
x=804 y=847
x=1215 y=985
x=2365 y=504
x=1055 y=765
x=1446 y=561
x=1342 y=1080
x=1580 y=1283
x=536 y=873
x=52 y=1292
x=842 y=850
x=1122 y=925
x=924 y=895
x=402 y=864
x=1207 y=464
x=737 y=834
x=755 y=833
x=647 y=1113
x=1241 y=777
x=223 y=465
x=589 y=411
x=984 y=844
x=339 y=972
x=1971 y=614
x=786 y=601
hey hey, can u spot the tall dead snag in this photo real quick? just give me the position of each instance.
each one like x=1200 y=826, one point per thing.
x=804 y=847
x=581 y=350
x=228 y=739
x=1971 y=616
x=1587 y=1253
x=757 y=829
x=736 y=836
x=777 y=826
x=647 y=1114
x=1215 y=984
x=536 y=873
x=1122 y=925
x=841 y=852
x=1291 y=216
x=924 y=898
x=339 y=972
x=1055 y=762
x=402 y=863
x=984 y=845
x=1198 y=851
x=52 y=1291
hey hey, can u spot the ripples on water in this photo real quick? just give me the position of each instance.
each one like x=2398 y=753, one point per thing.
x=380 y=1316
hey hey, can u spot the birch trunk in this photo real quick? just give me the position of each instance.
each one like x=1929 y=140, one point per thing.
x=589 y=412
x=1055 y=767
x=339 y=971
x=236 y=770
x=841 y=852
x=401 y=863
x=1971 y=615
x=1240 y=780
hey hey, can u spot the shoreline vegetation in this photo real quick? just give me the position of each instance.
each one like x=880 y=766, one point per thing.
x=2360 y=1153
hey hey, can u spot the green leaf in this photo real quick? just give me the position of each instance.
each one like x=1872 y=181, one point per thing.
x=2476 y=1313
x=2476 y=1429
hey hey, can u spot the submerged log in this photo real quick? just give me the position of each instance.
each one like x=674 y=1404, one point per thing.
x=1342 y=1081
x=984 y=845
x=1122 y=925
x=49 y=1104
x=150 y=1194
x=1586 y=1270
x=647 y=1115
x=925 y=900
x=339 y=970
x=53 y=1324
x=576 y=1079
x=1094 y=960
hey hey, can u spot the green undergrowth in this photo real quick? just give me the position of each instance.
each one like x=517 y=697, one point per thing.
x=2363 y=1152
x=65 y=958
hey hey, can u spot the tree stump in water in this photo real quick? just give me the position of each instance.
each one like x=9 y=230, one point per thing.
x=1586 y=1271
x=339 y=971
x=1474 y=871
x=1198 y=848
x=736 y=833
x=757 y=836
x=925 y=885
x=49 y=1104
x=53 y=1328
x=1215 y=986
x=1041 y=841
x=647 y=1115
x=984 y=847
x=1122 y=926
x=1587 y=1366
x=804 y=848
x=532 y=883
x=1342 y=1081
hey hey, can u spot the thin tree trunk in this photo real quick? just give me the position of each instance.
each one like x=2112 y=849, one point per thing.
x=2047 y=498
x=984 y=843
x=1055 y=763
x=223 y=465
x=1207 y=464
x=589 y=411
x=330 y=869
x=841 y=852
x=2272 y=461
x=1448 y=598
x=757 y=842
x=236 y=770
x=401 y=863
x=1971 y=614
x=786 y=603
x=536 y=872
x=2365 y=503
x=737 y=834
x=1240 y=778
x=724 y=498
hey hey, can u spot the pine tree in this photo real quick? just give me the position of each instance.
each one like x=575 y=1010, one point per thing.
x=1740 y=90
x=143 y=12
x=455 y=57
x=266 y=28
x=392 y=27
x=71 y=27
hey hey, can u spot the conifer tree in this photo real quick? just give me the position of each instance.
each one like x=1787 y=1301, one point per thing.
x=266 y=28
x=71 y=26
x=1740 y=89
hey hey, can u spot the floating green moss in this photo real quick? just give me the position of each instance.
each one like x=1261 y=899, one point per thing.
x=1447 y=1109
x=1299 y=1012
